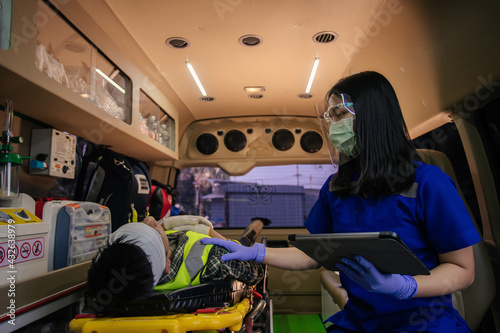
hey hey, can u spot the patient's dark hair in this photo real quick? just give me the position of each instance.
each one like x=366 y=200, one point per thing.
x=120 y=272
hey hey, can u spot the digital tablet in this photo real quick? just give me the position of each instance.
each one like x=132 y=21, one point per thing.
x=383 y=249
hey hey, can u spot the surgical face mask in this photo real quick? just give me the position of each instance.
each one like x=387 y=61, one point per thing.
x=342 y=135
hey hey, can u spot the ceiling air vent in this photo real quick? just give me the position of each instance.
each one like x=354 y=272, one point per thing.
x=250 y=40
x=304 y=95
x=325 y=37
x=255 y=96
x=206 y=99
x=177 y=42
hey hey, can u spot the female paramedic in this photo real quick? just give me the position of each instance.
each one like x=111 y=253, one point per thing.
x=381 y=185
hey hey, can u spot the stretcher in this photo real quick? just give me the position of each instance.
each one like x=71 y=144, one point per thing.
x=230 y=318
x=187 y=310
x=227 y=305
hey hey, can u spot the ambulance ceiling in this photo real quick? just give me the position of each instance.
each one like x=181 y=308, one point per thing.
x=281 y=63
x=424 y=48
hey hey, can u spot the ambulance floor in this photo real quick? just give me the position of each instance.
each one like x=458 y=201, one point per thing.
x=298 y=324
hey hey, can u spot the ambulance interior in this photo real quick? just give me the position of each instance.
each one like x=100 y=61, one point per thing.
x=117 y=73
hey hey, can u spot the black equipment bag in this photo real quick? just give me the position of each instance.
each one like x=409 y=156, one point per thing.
x=118 y=182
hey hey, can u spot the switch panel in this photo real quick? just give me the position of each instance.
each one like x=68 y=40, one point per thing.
x=52 y=153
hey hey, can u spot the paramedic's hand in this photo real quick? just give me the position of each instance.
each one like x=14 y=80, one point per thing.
x=239 y=252
x=366 y=275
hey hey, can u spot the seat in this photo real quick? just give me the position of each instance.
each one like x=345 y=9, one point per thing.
x=472 y=302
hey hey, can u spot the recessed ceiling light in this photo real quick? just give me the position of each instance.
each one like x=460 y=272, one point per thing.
x=254 y=89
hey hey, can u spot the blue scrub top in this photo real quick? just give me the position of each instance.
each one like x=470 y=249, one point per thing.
x=431 y=218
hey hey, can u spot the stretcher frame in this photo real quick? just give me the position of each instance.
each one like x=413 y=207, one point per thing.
x=231 y=317
x=203 y=320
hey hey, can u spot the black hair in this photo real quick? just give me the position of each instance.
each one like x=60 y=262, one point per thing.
x=120 y=272
x=387 y=154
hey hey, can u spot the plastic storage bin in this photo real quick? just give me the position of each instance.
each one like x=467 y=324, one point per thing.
x=80 y=230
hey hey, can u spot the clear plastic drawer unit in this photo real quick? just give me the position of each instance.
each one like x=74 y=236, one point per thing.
x=81 y=229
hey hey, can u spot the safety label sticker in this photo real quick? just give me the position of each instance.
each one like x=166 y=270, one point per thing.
x=93 y=231
x=25 y=250
x=22 y=250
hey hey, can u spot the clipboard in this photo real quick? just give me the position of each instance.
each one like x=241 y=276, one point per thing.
x=383 y=249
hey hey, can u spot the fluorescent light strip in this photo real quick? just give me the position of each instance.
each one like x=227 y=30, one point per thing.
x=313 y=73
x=195 y=77
x=109 y=80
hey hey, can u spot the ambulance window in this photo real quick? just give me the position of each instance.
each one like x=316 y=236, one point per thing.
x=488 y=124
x=446 y=139
x=283 y=194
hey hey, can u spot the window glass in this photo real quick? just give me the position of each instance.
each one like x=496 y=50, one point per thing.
x=66 y=55
x=488 y=120
x=283 y=194
x=155 y=122
x=446 y=139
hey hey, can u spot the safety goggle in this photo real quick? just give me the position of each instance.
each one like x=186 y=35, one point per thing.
x=340 y=111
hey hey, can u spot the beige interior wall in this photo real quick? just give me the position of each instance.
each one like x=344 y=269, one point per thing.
x=436 y=54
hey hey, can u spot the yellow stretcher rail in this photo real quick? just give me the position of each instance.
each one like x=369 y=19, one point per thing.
x=231 y=317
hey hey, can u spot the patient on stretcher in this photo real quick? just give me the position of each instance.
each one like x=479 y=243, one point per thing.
x=142 y=257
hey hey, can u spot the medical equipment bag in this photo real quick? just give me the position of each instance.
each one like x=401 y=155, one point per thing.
x=118 y=182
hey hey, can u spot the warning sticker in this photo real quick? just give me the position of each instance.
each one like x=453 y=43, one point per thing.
x=37 y=248
x=23 y=250
x=93 y=231
x=2 y=254
x=18 y=215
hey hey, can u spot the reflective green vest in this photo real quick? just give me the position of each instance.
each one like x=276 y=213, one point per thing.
x=194 y=259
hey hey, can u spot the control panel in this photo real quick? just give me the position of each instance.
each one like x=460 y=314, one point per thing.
x=52 y=153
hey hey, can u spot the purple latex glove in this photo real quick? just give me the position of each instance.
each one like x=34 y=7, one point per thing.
x=368 y=276
x=239 y=252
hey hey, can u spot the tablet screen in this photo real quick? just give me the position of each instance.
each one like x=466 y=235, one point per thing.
x=383 y=249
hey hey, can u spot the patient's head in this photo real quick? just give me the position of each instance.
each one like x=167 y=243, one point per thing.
x=130 y=265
